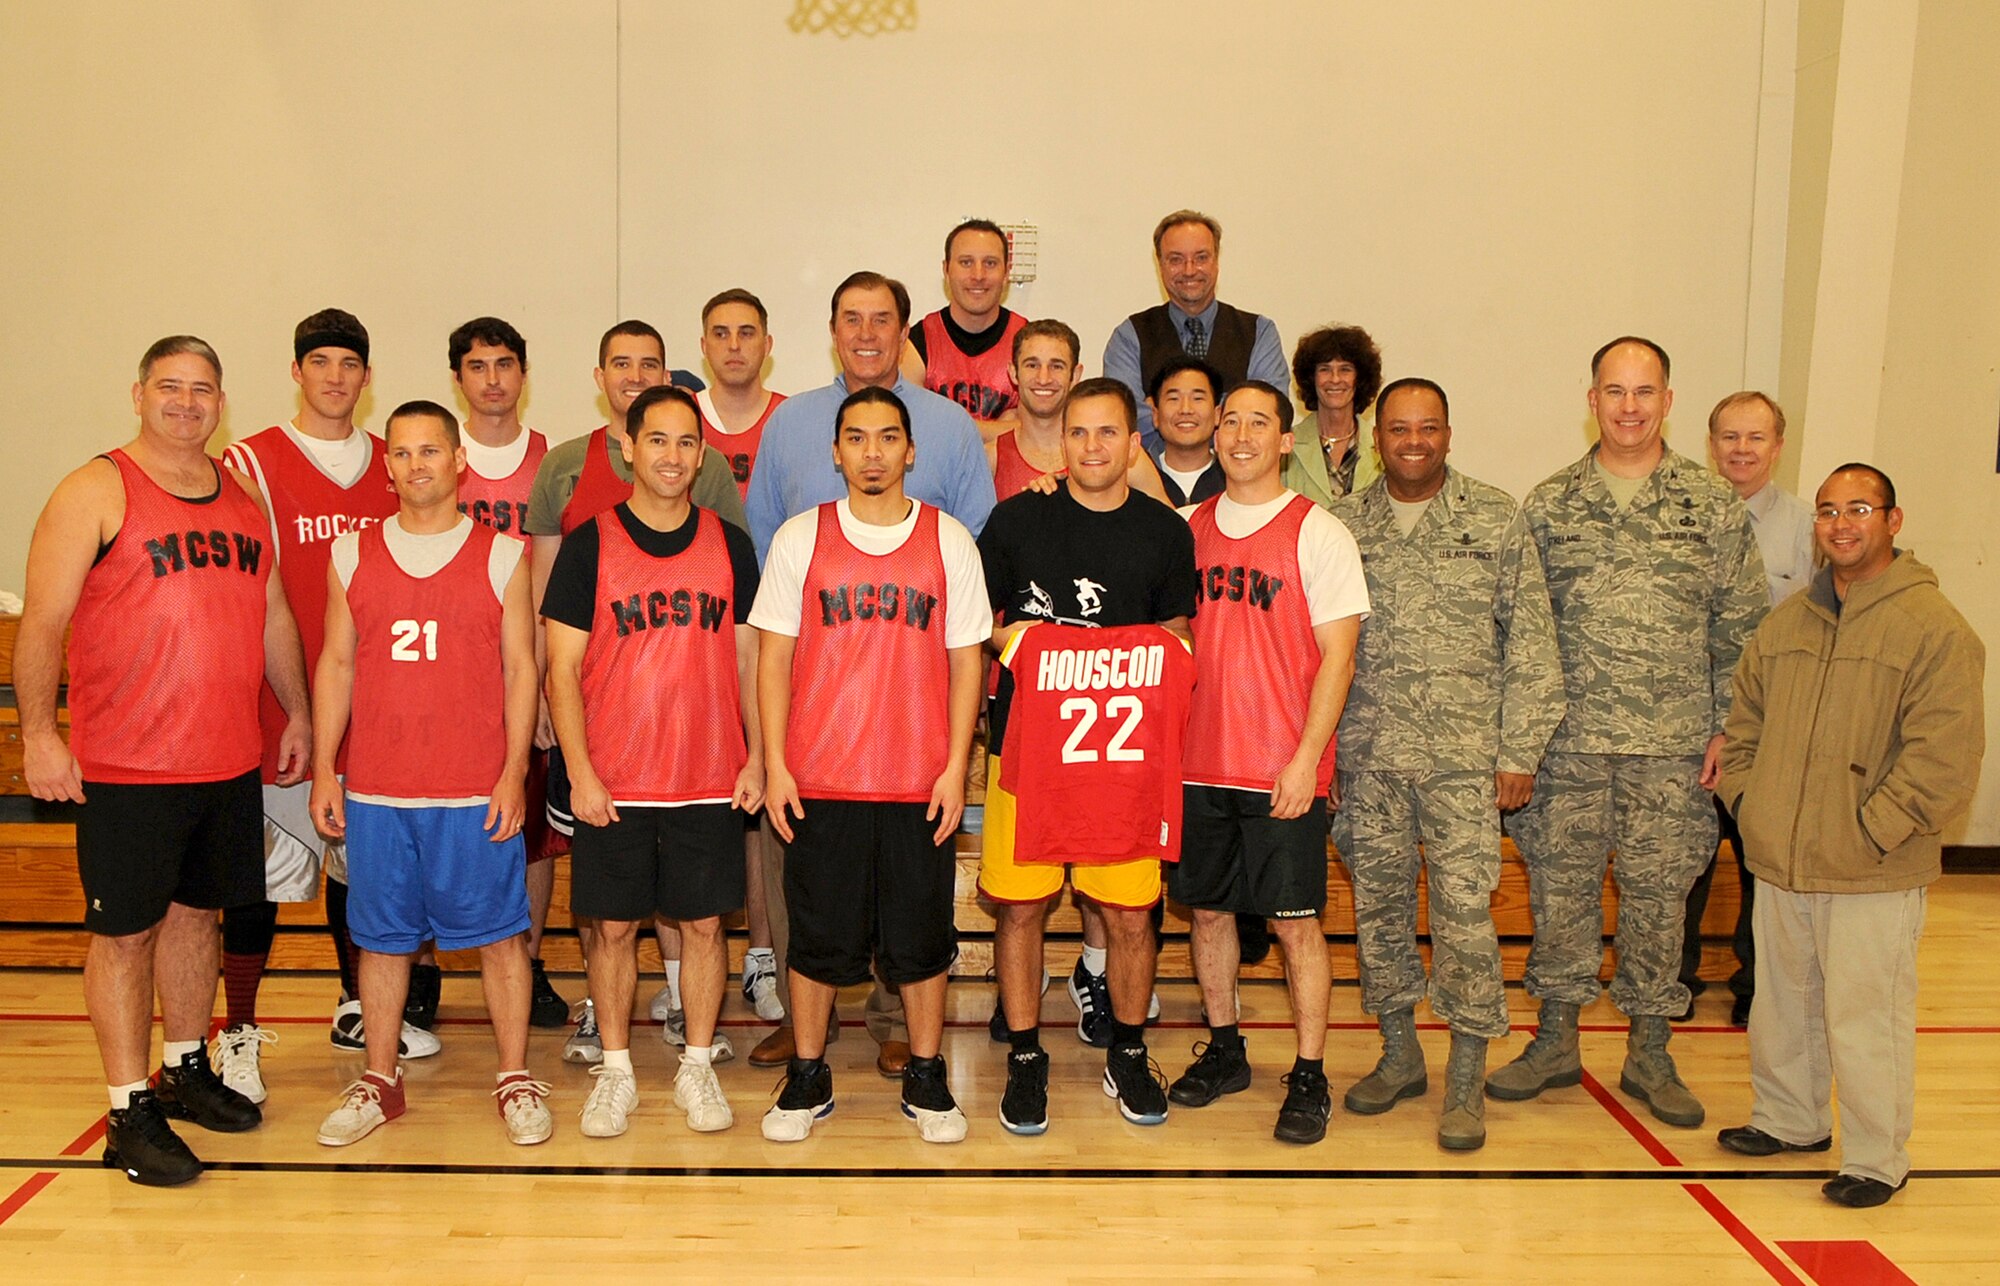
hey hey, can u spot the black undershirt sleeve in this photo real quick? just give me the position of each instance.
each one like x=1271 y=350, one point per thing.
x=571 y=596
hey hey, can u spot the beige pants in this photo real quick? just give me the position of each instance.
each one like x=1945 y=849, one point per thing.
x=1837 y=1003
x=884 y=1010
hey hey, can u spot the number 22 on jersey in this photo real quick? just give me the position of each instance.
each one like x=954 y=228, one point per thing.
x=1085 y=711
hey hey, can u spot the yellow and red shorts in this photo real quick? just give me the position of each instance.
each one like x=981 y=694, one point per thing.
x=1133 y=885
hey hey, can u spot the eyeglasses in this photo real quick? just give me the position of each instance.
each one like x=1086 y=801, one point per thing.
x=1856 y=512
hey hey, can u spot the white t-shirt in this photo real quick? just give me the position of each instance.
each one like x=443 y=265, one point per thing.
x=425 y=555
x=494 y=463
x=1185 y=480
x=343 y=461
x=1329 y=559
x=968 y=616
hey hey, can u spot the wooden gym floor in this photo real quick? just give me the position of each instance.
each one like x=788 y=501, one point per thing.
x=1580 y=1186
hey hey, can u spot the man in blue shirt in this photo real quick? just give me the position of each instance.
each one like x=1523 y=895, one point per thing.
x=1240 y=345
x=794 y=470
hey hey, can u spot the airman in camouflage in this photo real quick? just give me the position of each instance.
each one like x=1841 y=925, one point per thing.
x=1457 y=687
x=1657 y=583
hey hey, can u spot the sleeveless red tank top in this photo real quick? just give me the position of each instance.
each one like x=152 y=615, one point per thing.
x=502 y=503
x=983 y=385
x=598 y=487
x=1255 y=654
x=429 y=713
x=871 y=677
x=662 y=710
x=166 y=649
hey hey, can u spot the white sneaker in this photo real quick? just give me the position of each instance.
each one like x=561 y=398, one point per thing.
x=611 y=1101
x=937 y=1127
x=760 y=987
x=236 y=1058
x=347 y=1033
x=662 y=1004
x=524 y=1106
x=362 y=1108
x=674 y=1032
x=699 y=1094
x=1153 y=1007
x=584 y=1045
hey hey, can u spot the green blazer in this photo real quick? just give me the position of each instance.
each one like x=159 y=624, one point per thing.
x=1305 y=470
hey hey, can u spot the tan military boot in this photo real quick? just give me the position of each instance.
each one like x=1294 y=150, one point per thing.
x=1399 y=1074
x=1650 y=1076
x=1549 y=1062
x=1462 y=1128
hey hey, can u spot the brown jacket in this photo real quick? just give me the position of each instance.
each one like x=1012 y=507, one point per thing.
x=1856 y=734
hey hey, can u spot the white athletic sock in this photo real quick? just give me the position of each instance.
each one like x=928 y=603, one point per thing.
x=501 y=1077
x=674 y=983
x=619 y=1060
x=176 y=1050
x=121 y=1095
x=701 y=1055
x=1093 y=960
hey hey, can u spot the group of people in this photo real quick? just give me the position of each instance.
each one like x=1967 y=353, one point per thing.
x=723 y=674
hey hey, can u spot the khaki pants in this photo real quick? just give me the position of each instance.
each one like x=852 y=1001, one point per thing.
x=884 y=1011
x=1837 y=1003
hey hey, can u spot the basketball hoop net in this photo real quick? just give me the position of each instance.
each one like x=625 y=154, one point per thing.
x=846 y=18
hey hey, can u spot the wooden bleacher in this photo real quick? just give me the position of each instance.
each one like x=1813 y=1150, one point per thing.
x=41 y=903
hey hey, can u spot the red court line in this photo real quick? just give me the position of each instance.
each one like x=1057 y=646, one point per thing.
x=87 y=1140
x=1620 y=1113
x=1845 y=1263
x=1750 y=1242
x=22 y=1195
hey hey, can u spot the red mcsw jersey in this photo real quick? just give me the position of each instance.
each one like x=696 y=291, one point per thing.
x=1255 y=653
x=983 y=385
x=166 y=647
x=1094 y=741
x=662 y=711
x=1012 y=471
x=598 y=487
x=308 y=509
x=871 y=676
x=502 y=503
x=429 y=714
x=740 y=449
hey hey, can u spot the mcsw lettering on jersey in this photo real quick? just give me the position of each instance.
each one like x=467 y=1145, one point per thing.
x=500 y=515
x=871 y=602
x=175 y=551
x=1090 y=669
x=979 y=401
x=661 y=609
x=317 y=527
x=1238 y=583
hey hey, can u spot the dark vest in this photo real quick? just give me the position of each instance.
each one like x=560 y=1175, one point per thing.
x=1228 y=348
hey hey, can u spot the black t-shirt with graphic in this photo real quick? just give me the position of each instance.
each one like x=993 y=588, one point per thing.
x=1047 y=558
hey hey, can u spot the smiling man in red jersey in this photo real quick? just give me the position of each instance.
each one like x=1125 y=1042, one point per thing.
x=964 y=350
x=158 y=563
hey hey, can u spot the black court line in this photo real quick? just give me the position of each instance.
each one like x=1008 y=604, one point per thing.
x=1167 y=1173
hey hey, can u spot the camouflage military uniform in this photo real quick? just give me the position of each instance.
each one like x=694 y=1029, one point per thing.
x=1653 y=604
x=1456 y=676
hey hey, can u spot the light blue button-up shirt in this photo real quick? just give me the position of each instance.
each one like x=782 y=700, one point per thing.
x=795 y=470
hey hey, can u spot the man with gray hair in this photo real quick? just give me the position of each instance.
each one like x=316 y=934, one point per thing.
x=1746 y=433
x=157 y=561
x=1240 y=345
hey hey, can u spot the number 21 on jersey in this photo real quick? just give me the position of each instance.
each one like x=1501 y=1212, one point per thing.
x=408 y=632
x=1085 y=711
